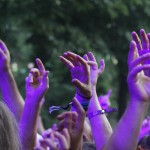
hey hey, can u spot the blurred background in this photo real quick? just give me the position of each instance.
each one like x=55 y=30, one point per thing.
x=48 y=28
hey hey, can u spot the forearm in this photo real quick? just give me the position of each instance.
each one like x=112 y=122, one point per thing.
x=125 y=136
x=28 y=124
x=101 y=128
x=40 y=126
x=10 y=94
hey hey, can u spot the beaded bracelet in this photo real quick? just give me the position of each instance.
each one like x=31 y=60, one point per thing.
x=102 y=111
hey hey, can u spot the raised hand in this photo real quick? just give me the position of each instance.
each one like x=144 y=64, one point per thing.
x=143 y=47
x=80 y=73
x=37 y=82
x=138 y=82
x=95 y=71
x=4 y=57
x=74 y=123
x=59 y=141
x=105 y=100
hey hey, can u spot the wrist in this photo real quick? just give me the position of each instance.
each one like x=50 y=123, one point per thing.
x=32 y=101
x=81 y=98
x=6 y=73
x=93 y=88
x=141 y=100
x=139 y=104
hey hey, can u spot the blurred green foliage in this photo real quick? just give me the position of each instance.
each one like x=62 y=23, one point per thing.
x=46 y=29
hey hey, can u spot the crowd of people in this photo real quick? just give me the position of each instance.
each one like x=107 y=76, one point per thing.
x=86 y=125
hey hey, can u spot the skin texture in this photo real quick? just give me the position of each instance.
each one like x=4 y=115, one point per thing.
x=37 y=84
x=105 y=100
x=138 y=85
x=8 y=84
x=98 y=123
x=89 y=70
x=79 y=71
x=74 y=122
x=55 y=140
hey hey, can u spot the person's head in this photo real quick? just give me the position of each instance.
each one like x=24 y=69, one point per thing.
x=9 y=137
x=144 y=143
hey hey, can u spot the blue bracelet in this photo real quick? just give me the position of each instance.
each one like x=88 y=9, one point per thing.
x=85 y=105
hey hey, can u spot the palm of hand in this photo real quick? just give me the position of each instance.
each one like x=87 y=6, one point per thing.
x=143 y=47
x=33 y=88
x=80 y=74
x=140 y=89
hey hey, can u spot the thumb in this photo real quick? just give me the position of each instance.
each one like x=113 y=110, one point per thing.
x=102 y=66
x=77 y=83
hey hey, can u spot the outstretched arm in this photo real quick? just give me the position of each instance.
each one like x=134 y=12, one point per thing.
x=99 y=123
x=36 y=86
x=8 y=86
x=125 y=135
x=86 y=80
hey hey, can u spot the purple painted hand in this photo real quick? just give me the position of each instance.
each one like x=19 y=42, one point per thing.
x=37 y=82
x=4 y=57
x=95 y=72
x=143 y=47
x=74 y=123
x=80 y=73
x=59 y=141
x=138 y=82
x=104 y=100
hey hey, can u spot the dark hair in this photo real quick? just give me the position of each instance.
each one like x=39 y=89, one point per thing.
x=145 y=142
x=9 y=135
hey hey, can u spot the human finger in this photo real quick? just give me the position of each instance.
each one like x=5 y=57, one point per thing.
x=85 y=57
x=66 y=134
x=78 y=84
x=39 y=148
x=139 y=60
x=2 y=54
x=91 y=56
x=72 y=57
x=49 y=143
x=4 y=47
x=35 y=72
x=92 y=59
x=102 y=67
x=45 y=80
x=40 y=66
x=62 y=116
x=62 y=140
x=81 y=114
x=148 y=35
x=137 y=70
x=47 y=133
x=137 y=40
x=68 y=64
x=145 y=41
x=133 y=54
